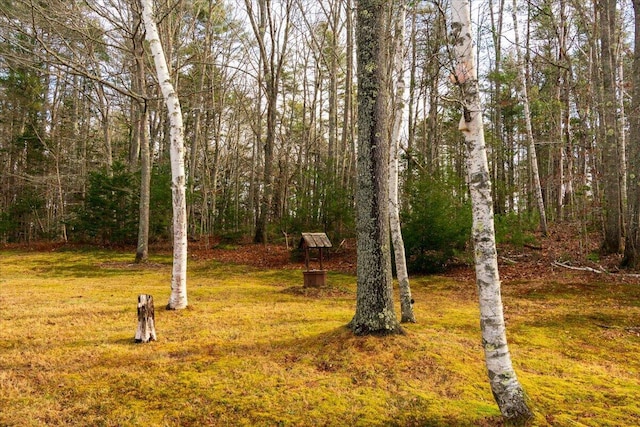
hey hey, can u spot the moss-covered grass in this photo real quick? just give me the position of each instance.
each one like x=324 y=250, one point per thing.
x=255 y=349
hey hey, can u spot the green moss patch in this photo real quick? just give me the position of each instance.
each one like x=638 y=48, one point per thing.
x=254 y=348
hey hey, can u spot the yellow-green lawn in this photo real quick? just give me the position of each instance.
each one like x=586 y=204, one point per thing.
x=255 y=349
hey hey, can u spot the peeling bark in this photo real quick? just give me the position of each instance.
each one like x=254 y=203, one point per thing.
x=506 y=389
x=178 y=298
x=406 y=302
x=146 y=330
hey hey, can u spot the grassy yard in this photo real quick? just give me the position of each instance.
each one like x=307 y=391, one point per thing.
x=256 y=349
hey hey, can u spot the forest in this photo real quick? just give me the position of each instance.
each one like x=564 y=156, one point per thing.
x=270 y=119
x=419 y=134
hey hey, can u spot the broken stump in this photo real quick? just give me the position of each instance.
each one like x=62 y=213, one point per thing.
x=146 y=323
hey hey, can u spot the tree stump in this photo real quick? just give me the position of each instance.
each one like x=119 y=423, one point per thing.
x=146 y=324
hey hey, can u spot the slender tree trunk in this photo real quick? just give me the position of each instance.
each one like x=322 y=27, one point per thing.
x=142 y=137
x=178 y=298
x=407 y=314
x=352 y=109
x=105 y=111
x=533 y=158
x=611 y=160
x=411 y=122
x=622 y=139
x=505 y=386
x=347 y=127
x=375 y=313
x=142 y=250
x=272 y=64
x=632 y=240
x=498 y=128
x=333 y=93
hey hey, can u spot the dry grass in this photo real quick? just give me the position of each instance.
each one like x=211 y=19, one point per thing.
x=254 y=349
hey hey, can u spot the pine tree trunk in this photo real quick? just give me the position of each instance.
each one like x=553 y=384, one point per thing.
x=375 y=313
x=178 y=298
x=505 y=386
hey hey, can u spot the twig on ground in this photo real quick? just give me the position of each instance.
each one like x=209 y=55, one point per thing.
x=592 y=270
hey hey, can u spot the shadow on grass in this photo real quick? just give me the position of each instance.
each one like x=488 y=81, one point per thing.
x=94 y=270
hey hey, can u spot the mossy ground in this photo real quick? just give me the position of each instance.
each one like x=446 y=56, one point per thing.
x=255 y=349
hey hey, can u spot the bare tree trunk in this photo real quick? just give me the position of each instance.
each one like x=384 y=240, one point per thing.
x=347 y=128
x=411 y=119
x=394 y=205
x=142 y=251
x=272 y=58
x=533 y=158
x=105 y=111
x=611 y=160
x=497 y=172
x=504 y=383
x=375 y=313
x=142 y=137
x=632 y=240
x=178 y=298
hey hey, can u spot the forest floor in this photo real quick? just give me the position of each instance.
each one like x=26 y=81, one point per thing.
x=567 y=249
x=255 y=348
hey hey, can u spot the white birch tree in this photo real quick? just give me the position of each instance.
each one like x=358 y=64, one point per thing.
x=406 y=306
x=506 y=389
x=178 y=298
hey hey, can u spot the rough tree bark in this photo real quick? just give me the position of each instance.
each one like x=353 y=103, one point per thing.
x=632 y=242
x=375 y=313
x=610 y=155
x=406 y=306
x=504 y=384
x=178 y=298
x=142 y=137
x=146 y=330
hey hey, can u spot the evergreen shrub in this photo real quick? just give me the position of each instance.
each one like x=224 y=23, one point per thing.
x=110 y=211
x=516 y=229
x=436 y=224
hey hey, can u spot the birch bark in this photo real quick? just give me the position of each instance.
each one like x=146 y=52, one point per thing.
x=178 y=298
x=406 y=306
x=506 y=389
